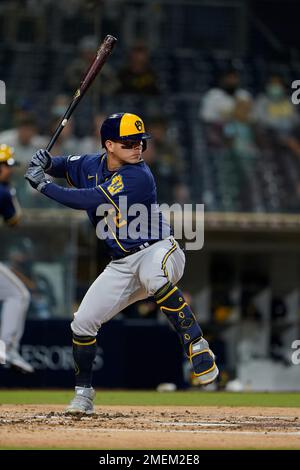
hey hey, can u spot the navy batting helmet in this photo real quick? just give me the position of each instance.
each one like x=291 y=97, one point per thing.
x=124 y=126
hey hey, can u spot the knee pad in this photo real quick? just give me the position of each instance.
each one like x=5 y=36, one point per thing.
x=172 y=303
x=83 y=328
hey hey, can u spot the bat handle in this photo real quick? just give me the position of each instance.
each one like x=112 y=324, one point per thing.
x=54 y=137
x=62 y=125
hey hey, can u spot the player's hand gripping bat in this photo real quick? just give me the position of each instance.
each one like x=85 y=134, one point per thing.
x=103 y=53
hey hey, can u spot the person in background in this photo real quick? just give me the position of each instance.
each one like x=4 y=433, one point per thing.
x=90 y=142
x=14 y=295
x=137 y=75
x=218 y=102
x=277 y=119
x=106 y=82
x=239 y=131
x=24 y=139
x=164 y=158
x=273 y=109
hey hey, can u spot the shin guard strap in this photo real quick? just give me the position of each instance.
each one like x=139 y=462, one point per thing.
x=179 y=313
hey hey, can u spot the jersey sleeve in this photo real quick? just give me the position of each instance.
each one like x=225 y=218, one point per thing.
x=58 y=167
x=69 y=167
x=82 y=199
x=131 y=182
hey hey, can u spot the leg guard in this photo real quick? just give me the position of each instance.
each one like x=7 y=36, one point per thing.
x=171 y=302
x=84 y=353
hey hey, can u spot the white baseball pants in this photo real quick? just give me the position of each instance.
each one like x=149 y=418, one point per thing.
x=126 y=281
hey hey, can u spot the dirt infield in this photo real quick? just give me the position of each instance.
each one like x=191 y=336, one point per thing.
x=136 y=427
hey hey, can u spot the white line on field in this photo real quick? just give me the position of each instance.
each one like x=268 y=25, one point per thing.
x=290 y=418
x=202 y=431
x=205 y=424
x=198 y=423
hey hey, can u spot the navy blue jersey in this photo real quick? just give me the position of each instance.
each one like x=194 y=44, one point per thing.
x=9 y=208
x=96 y=185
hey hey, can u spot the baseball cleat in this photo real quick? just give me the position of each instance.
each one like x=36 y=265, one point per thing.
x=82 y=403
x=15 y=360
x=203 y=361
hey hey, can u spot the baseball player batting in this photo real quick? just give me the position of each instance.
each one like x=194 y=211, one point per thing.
x=14 y=294
x=139 y=267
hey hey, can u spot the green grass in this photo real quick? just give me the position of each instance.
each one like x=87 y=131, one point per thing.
x=153 y=398
x=148 y=398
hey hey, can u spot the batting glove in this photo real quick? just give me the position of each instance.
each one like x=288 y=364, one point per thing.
x=36 y=177
x=42 y=158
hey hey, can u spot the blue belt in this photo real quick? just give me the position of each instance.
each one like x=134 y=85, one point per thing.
x=134 y=250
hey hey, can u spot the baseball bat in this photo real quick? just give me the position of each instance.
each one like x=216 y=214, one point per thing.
x=102 y=54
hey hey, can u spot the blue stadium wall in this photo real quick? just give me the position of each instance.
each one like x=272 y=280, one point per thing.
x=129 y=356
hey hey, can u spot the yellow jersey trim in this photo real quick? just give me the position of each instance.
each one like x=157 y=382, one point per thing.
x=115 y=237
x=165 y=258
x=110 y=199
x=84 y=344
x=167 y=295
x=120 y=215
x=69 y=180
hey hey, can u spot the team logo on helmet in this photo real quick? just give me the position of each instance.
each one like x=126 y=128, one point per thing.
x=123 y=126
x=138 y=125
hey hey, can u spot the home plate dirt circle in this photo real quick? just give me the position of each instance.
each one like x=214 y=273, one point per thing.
x=139 y=427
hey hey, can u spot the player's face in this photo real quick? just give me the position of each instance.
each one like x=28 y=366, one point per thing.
x=128 y=151
x=5 y=173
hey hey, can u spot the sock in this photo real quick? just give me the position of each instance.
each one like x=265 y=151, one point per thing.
x=171 y=302
x=84 y=353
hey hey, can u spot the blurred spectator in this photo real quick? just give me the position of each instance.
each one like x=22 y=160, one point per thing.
x=274 y=110
x=239 y=131
x=218 y=103
x=277 y=118
x=59 y=105
x=137 y=75
x=106 y=82
x=92 y=144
x=22 y=108
x=24 y=138
x=163 y=157
x=243 y=183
